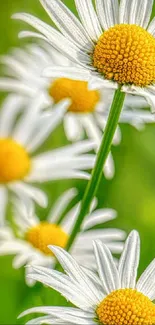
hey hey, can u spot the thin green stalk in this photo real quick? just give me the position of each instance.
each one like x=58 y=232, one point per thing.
x=103 y=152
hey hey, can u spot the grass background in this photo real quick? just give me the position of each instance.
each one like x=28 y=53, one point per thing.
x=131 y=192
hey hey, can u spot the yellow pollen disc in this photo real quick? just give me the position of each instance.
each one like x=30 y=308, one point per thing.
x=126 y=54
x=126 y=307
x=14 y=161
x=45 y=234
x=83 y=100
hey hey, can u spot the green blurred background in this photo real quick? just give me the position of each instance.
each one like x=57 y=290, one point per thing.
x=131 y=192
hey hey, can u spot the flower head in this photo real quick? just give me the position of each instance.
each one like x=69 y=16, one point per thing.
x=31 y=243
x=113 y=297
x=36 y=67
x=19 y=140
x=114 y=44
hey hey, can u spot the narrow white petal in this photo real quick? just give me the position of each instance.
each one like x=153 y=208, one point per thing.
x=108 y=13
x=67 y=288
x=124 y=11
x=26 y=124
x=56 y=174
x=148 y=93
x=73 y=127
x=47 y=123
x=27 y=33
x=129 y=261
x=92 y=130
x=70 y=150
x=57 y=40
x=146 y=283
x=14 y=64
x=60 y=311
x=140 y=12
x=15 y=86
x=20 y=260
x=89 y=18
x=25 y=190
x=3 y=203
x=11 y=106
x=76 y=273
x=96 y=83
x=67 y=22
x=98 y=217
x=110 y=234
x=66 y=72
x=109 y=167
x=70 y=219
x=61 y=204
x=106 y=268
x=151 y=27
x=144 y=13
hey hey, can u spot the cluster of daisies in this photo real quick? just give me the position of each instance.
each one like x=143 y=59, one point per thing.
x=69 y=76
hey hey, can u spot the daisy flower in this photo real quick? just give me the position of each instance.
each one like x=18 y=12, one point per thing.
x=113 y=43
x=30 y=245
x=114 y=297
x=86 y=113
x=20 y=137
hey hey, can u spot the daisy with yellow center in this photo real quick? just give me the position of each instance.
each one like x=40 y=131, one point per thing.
x=113 y=297
x=31 y=243
x=20 y=136
x=87 y=111
x=113 y=42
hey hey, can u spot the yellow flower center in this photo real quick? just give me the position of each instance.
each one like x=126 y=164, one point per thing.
x=126 y=307
x=45 y=234
x=126 y=54
x=82 y=99
x=14 y=161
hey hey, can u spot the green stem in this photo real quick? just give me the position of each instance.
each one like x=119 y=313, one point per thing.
x=103 y=152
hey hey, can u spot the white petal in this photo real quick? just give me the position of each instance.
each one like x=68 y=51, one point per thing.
x=96 y=83
x=25 y=34
x=151 y=27
x=73 y=128
x=67 y=22
x=89 y=18
x=61 y=312
x=98 y=217
x=61 y=204
x=13 y=85
x=14 y=64
x=76 y=273
x=129 y=261
x=47 y=123
x=148 y=93
x=57 y=40
x=69 y=221
x=69 y=150
x=92 y=130
x=20 y=260
x=146 y=283
x=26 y=125
x=106 y=268
x=124 y=11
x=144 y=10
x=66 y=287
x=11 y=106
x=3 y=203
x=140 y=12
x=107 y=12
x=66 y=72
x=58 y=163
x=56 y=174
x=109 y=167
x=25 y=190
